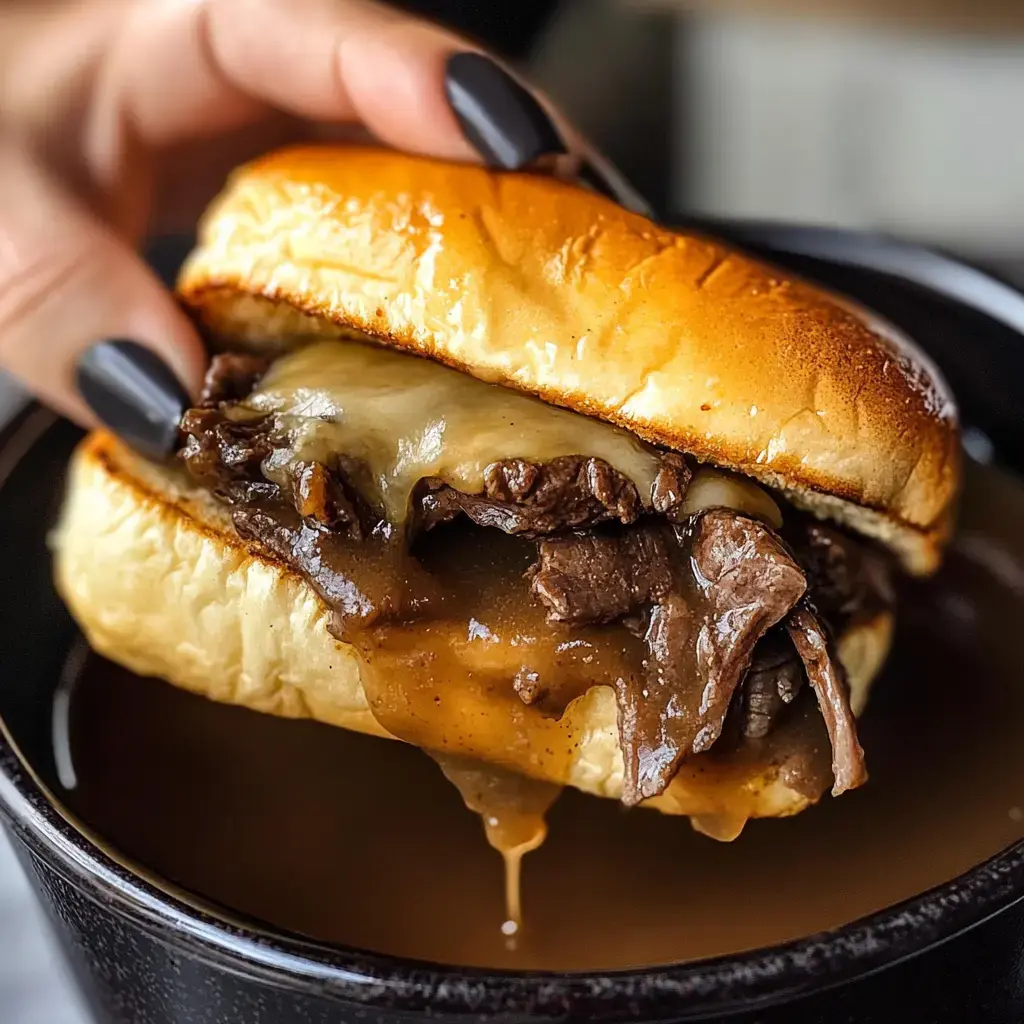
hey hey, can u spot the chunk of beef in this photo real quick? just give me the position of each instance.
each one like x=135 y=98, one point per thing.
x=323 y=497
x=223 y=453
x=591 y=577
x=226 y=455
x=569 y=492
x=571 y=489
x=670 y=487
x=659 y=712
x=826 y=679
x=845 y=576
x=774 y=678
x=232 y=377
x=534 y=499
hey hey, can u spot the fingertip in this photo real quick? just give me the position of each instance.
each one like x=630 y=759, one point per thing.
x=139 y=380
x=69 y=283
x=395 y=80
x=129 y=387
x=503 y=120
x=163 y=327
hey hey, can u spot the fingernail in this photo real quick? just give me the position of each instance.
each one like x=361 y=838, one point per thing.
x=133 y=393
x=502 y=120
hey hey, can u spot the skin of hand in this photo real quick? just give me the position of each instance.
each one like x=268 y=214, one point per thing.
x=120 y=118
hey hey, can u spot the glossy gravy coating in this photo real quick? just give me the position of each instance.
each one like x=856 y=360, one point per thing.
x=361 y=842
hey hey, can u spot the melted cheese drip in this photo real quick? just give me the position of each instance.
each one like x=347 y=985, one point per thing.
x=406 y=418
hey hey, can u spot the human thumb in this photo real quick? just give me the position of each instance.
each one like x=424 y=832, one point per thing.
x=83 y=322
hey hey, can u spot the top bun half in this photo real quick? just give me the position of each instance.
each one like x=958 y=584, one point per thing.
x=539 y=285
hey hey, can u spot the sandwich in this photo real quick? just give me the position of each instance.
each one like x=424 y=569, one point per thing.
x=486 y=464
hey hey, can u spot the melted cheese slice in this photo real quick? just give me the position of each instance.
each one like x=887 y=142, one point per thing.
x=711 y=488
x=405 y=418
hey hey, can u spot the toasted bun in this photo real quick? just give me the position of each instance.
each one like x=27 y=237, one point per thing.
x=160 y=583
x=546 y=287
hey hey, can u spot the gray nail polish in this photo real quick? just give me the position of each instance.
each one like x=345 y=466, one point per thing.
x=502 y=120
x=133 y=393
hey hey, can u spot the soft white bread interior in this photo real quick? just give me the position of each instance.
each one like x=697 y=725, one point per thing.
x=549 y=288
x=159 y=581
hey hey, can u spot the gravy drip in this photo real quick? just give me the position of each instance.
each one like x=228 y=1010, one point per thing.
x=512 y=809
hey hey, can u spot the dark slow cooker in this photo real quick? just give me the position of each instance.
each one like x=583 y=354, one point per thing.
x=145 y=954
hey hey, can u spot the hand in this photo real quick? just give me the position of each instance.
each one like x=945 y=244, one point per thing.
x=121 y=117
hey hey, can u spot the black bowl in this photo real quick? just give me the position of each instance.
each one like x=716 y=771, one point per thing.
x=146 y=954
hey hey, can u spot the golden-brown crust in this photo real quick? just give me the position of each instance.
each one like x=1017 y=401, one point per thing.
x=549 y=288
x=159 y=582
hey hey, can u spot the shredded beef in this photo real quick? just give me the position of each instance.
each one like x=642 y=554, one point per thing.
x=232 y=377
x=826 y=678
x=591 y=577
x=226 y=455
x=223 y=453
x=659 y=712
x=325 y=497
x=749 y=582
x=702 y=611
x=565 y=492
x=670 y=487
x=536 y=499
x=846 y=577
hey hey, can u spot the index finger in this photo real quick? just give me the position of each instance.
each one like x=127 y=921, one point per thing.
x=181 y=70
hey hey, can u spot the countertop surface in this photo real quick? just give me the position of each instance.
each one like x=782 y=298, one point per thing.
x=34 y=985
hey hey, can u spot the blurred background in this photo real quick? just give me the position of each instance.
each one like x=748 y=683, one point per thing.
x=893 y=115
x=896 y=115
x=899 y=116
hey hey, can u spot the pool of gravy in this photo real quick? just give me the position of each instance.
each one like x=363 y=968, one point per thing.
x=364 y=842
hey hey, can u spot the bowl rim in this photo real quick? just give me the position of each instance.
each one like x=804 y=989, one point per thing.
x=701 y=989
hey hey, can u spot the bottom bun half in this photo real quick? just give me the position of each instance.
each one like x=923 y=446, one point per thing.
x=160 y=583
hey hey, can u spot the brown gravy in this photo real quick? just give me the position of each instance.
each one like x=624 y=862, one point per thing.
x=513 y=810
x=445 y=635
x=354 y=840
